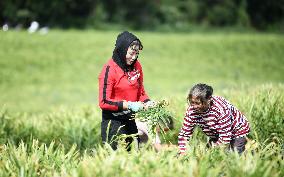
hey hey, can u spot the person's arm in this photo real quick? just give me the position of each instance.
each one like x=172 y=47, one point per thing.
x=224 y=129
x=185 y=132
x=106 y=82
x=157 y=142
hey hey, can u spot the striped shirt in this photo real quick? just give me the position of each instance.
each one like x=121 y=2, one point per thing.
x=221 y=121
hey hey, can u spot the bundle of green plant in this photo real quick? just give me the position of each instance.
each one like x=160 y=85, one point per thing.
x=157 y=117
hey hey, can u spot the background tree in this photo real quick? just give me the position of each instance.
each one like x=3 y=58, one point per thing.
x=145 y=14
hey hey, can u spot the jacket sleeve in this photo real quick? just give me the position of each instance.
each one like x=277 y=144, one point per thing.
x=224 y=128
x=106 y=83
x=142 y=95
x=185 y=132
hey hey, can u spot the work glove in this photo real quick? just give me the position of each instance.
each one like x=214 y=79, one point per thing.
x=135 y=106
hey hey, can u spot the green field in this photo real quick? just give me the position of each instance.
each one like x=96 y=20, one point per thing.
x=50 y=120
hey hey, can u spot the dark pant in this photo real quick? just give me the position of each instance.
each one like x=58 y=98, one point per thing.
x=235 y=144
x=112 y=129
x=238 y=144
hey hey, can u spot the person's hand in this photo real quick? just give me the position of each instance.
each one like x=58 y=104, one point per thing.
x=180 y=154
x=149 y=104
x=213 y=145
x=135 y=106
x=158 y=147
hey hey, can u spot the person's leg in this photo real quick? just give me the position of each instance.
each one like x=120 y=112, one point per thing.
x=238 y=144
x=131 y=129
x=210 y=141
x=110 y=130
x=142 y=132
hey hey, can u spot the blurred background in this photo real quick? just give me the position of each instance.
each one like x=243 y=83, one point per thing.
x=162 y=15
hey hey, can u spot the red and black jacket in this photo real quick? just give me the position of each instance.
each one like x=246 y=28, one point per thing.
x=120 y=82
x=116 y=86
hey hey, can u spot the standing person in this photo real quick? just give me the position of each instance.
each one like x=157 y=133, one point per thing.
x=121 y=90
x=222 y=122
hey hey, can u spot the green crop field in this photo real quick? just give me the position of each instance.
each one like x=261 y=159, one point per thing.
x=50 y=119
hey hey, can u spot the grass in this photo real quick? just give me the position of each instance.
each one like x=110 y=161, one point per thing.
x=61 y=72
x=50 y=120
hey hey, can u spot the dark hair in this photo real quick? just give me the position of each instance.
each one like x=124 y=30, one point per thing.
x=201 y=91
x=137 y=42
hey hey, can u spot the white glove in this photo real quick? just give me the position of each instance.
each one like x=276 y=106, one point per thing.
x=135 y=106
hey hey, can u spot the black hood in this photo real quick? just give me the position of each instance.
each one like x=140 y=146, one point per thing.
x=122 y=43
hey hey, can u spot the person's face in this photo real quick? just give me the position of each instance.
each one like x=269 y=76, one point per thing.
x=198 y=105
x=132 y=54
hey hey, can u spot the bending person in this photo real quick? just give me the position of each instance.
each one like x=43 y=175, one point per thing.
x=222 y=122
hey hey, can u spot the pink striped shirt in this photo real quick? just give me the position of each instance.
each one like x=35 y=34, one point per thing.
x=222 y=121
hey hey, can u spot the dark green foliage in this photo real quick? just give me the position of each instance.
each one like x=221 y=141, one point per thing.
x=137 y=14
x=144 y=14
x=266 y=13
x=62 y=13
